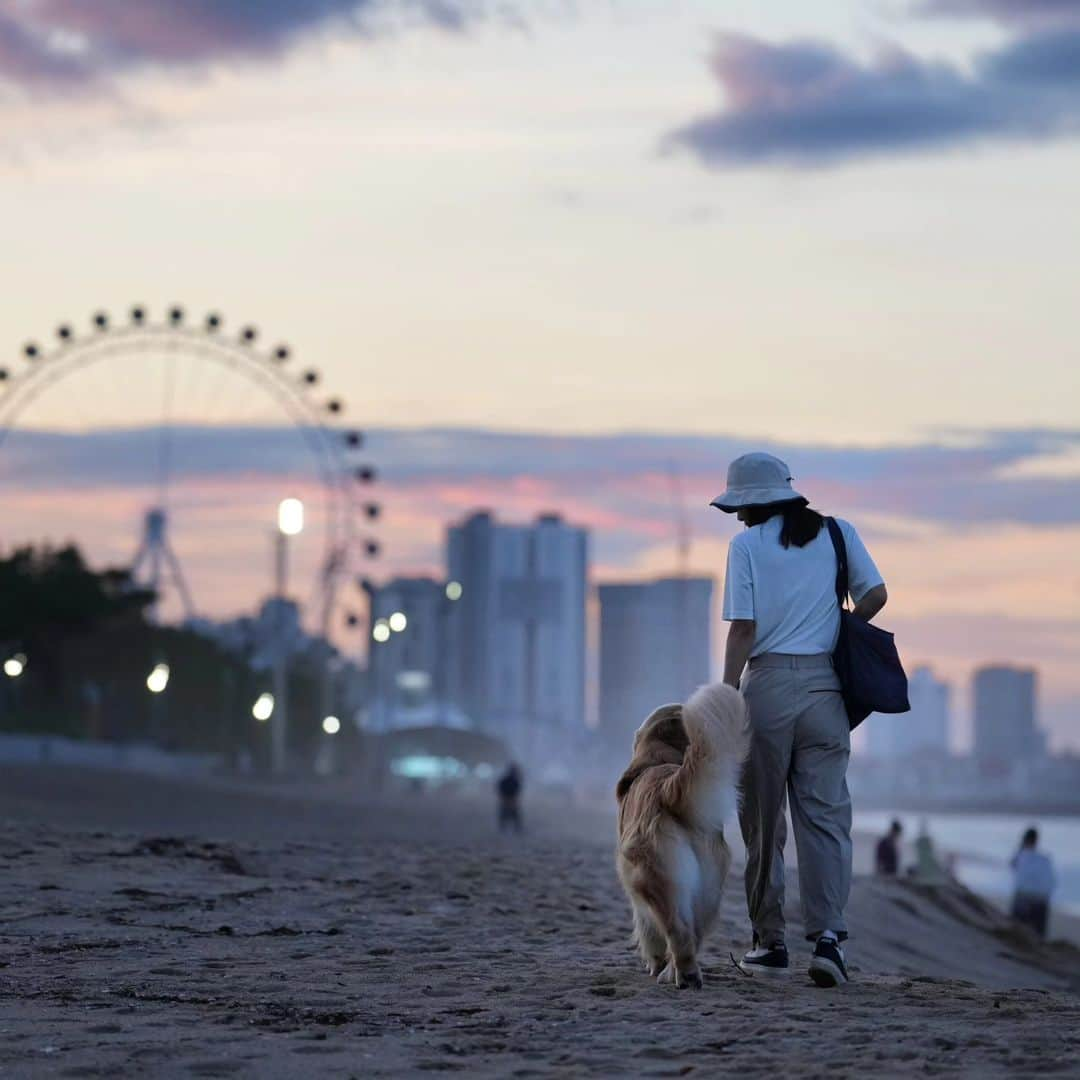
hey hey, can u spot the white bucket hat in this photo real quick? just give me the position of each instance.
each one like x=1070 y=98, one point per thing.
x=756 y=480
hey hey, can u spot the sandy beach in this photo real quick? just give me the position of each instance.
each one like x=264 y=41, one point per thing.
x=165 y=928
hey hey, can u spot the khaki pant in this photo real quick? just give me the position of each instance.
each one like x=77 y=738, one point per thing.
x=799 y=748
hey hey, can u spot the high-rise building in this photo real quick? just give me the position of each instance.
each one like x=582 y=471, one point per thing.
x=1005 y=730
x=924 y=729
x=411 y=652
x=520 y=627
x=655 y=648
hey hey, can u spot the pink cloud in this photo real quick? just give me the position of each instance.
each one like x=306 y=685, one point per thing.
x=56 y=46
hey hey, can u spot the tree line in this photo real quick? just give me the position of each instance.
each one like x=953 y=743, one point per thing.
x=89 y=645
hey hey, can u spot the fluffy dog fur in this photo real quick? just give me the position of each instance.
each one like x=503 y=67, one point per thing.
x=673 y=800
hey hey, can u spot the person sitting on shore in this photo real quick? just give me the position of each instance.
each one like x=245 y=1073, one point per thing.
x=928 y=869
x=1034 y=882
x=887 y=856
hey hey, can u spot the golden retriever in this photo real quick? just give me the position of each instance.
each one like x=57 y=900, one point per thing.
x=673 y=799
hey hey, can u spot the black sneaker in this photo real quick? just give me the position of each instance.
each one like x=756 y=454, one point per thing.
x=827 y=963
x=766 y=961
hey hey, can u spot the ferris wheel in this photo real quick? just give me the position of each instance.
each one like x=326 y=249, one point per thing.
x=201 y=427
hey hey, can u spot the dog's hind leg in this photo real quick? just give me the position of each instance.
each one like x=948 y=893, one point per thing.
x=680 y=964
x=682 y=932
x=650 y=939
x=683 y=946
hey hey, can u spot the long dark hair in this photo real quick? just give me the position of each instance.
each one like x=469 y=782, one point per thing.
x=801 y=524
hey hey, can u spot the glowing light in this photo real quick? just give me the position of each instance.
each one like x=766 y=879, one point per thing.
x=398 y=622
x=263 y=708
x=158 y=679
x=331 y=725
x=416 y=682
x=428 y=767
x=14 y=666
x=381 y=631
x=453 y=590
x=290 y=517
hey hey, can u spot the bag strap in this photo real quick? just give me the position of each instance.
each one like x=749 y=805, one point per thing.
x=840 y=548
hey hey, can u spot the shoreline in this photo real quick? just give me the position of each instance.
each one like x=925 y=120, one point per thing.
x=988 y=808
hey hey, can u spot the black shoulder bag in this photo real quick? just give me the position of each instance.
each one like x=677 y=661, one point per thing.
x=872 y=679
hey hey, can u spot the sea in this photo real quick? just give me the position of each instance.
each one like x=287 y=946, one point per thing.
x=983 y=844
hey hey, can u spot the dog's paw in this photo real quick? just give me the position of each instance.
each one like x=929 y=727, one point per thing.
x=666 y=976
x=688 y=979
x=654 y=967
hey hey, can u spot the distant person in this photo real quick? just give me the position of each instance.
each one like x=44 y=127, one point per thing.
x=887 y=857
x=509 y=791
x=780 y=598
x=927 y=869
x=1034 y=881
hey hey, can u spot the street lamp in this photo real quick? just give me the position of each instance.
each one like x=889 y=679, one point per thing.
x=156 y=682
x=158 y=679
x=381 y=631
x=14 y=666
x=263 y=708
x=397 y=622
x=290 y=517
x=331 y=725
x=453 y=590
x=290 y=522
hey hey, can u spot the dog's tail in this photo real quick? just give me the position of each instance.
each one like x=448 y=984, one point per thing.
x=705 y=788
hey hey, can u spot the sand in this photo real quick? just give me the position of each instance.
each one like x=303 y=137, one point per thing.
x=159 y=929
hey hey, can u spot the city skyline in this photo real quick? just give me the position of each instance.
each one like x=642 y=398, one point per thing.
x=639 y=656
x=973 y=534
x=508 y=241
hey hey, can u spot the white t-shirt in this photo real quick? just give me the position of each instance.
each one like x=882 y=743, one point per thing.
x=1034 y=873
x=791 y=592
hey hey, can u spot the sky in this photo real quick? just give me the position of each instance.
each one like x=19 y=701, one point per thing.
x=543 y=250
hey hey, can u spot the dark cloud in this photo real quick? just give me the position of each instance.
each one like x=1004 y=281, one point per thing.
x=1050 y=60
x=448 y=16
x=28 y=60
x=958 y=480
x=53 y=46
x=806 y=103
x=1007 y=12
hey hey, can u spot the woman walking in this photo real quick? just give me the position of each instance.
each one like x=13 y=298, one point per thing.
x=780 y=598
